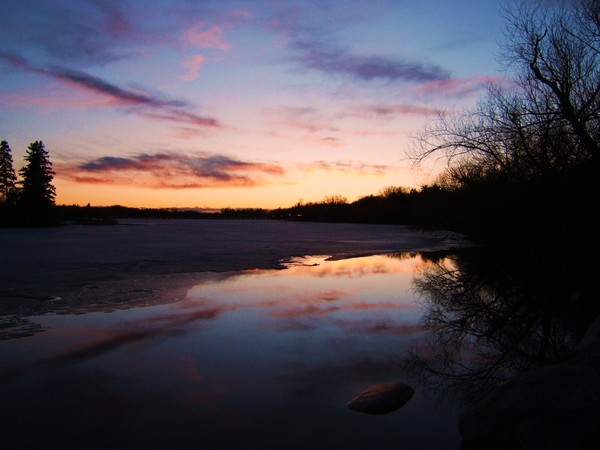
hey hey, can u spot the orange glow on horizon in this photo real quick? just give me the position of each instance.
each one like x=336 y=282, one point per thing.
x=313 y=187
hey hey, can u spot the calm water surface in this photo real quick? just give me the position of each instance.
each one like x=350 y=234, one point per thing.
x=264 y=359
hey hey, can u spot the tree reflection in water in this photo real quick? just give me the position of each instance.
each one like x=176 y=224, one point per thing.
x=491 y=317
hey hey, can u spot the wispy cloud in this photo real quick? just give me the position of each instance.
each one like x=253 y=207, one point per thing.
x=390 y=110
x=324 y=124
x=149 y=105
x=311 y=38
x=314 y=46
x=172 y=170
x=301 y=118
x=352 y=167
x=84 y=32
x=455 y=87
x=193 y=65
x=47 y=101
x=183 y=171
x=120 y=95
x=398 y=109
x=205 y=35
x=307 y=125
x=332 y=141
x=330 y=59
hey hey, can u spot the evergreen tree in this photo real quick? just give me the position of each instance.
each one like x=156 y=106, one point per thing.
x=37 y=189
x=8 y=179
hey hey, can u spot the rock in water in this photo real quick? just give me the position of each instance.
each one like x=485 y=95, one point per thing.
x=382 y=398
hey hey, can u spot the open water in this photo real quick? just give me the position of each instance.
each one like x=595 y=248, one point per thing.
x=248 y=335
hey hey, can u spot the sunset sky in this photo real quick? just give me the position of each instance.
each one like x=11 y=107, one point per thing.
x=182 y=103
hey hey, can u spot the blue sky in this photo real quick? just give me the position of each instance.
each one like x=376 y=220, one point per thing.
x=236 y=103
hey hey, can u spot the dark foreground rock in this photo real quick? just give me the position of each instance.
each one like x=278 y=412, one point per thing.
x=554 y=408
x=382 y=398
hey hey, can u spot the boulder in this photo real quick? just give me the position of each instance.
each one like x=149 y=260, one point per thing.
x=382 y=398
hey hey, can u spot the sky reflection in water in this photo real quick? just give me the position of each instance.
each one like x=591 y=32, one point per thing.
x=253 y=359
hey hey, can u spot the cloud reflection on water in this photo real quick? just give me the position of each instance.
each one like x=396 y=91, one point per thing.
x=306 y=290
x=241 y=350
x=310 y=287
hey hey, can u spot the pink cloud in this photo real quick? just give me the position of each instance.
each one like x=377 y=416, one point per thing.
x=152 y=105
x=305 y=119
x=325 y=56
x=402 y=109
x=355 y=167
x=242 y=15
x=332 y=141
x=456 y=87
x=171 y=170
x=332 y=295
x=47 y=102
x=193 y=65
x=207 y=36
x=365 y=132
x=311 y=127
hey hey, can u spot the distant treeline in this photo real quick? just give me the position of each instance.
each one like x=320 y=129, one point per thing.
x=558 y=209
x=107 y=215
